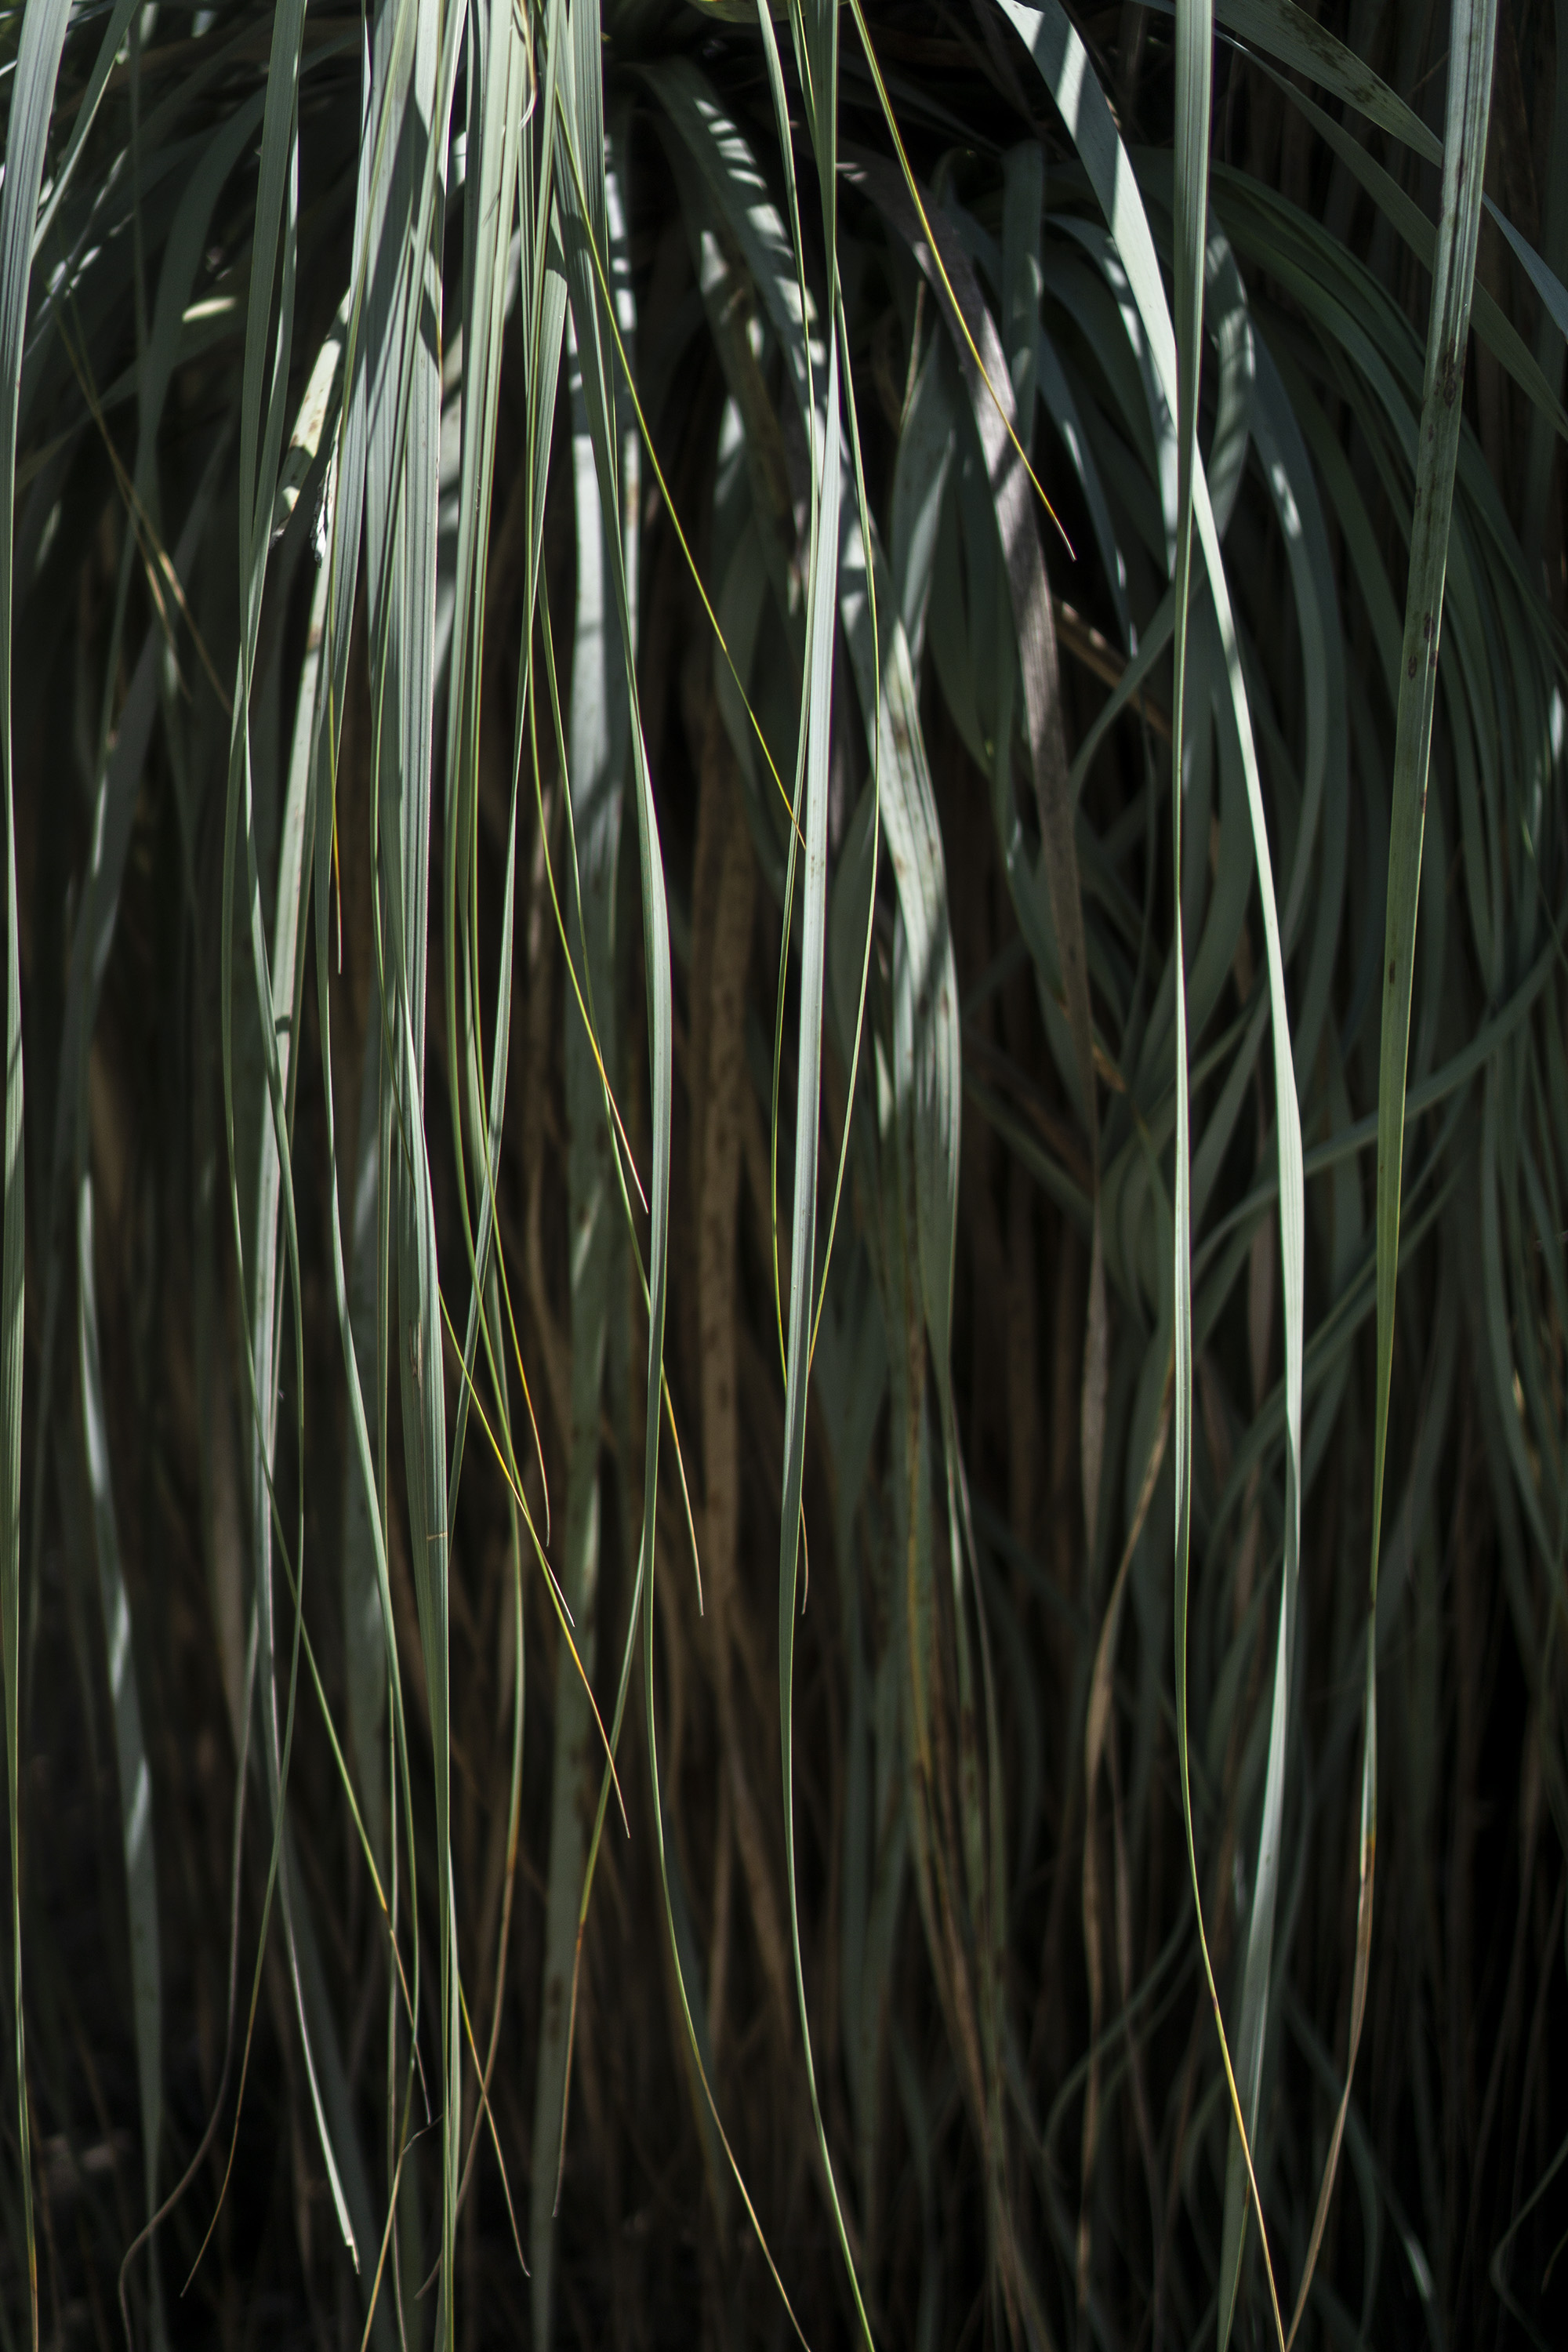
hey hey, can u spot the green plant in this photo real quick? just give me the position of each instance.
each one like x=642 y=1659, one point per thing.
x=730 y=1209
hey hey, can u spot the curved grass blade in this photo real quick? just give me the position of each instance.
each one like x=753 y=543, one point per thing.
x=38 y=51
x=500 y=86
x=1097 y=1729
x=594 y=778
x=135 y=1782
x=280 y=981
x=821 y=606
x=1471 y=48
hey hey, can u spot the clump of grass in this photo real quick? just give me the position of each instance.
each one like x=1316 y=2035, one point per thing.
x=783 y=1292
